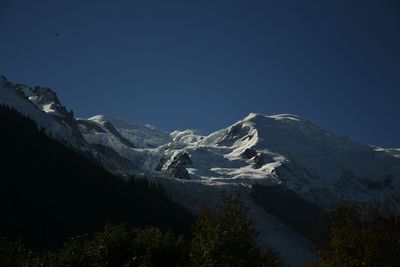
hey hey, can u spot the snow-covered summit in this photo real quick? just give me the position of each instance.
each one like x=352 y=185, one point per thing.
x=297 y=142
x=141 y=136
x=284 y=150
x=254 y=116
x=18 y=96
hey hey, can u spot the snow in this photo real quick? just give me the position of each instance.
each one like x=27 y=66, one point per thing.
x=288 y=150
x=294 y=248
x=141 y=135
x=48 y=108
x=309 y=160
x=287 y=117
x=10 y=98
x=186 y=136
x=393 y=151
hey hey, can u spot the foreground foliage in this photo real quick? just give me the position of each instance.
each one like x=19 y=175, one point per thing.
x=226 y=237
x=360 y=235
x=48 y=192
x=114 y=246
x=221 y=237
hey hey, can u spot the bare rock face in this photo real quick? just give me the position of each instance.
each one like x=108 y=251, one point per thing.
x=258 y=160
x=255 y=156
x=184 y=159
x=46 y=99
x=177 y=167
x=46 y=95
x=249 y=153
x=178 y=171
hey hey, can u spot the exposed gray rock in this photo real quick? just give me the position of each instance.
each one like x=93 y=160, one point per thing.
x=184 y=159
x=160 y=164
x=46 y=95
x=176 y=170
x=256 y=157
x=176 y=167
x=258 y=160
x=249 y=153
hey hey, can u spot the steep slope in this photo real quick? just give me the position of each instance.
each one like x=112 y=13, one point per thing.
x=43 y=106
x=48 y=192
x=295 y=153
x=283 y=149
x=286 y=157
x=14 y=96
x=129 y=148
x=139 y=136
x=286 y=151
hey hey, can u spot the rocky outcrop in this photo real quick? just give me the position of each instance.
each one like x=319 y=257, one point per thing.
x=176 y=170
x=255 y=156
x=248 y=153
x=46 y=95
x=177 y=167
x=46 y=100
x=258 y=160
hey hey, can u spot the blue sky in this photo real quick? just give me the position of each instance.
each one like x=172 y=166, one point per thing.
x=206 y=64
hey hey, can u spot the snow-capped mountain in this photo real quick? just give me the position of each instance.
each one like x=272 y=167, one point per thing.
x=285 y=151
x=18 y=96
x=281 y=150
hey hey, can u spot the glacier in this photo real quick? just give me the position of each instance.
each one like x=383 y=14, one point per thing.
x=285 y=151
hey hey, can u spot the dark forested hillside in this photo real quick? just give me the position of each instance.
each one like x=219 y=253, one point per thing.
x=48 y=192
x=302 y=216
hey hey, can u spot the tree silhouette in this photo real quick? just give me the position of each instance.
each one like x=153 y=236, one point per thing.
x=359 y=235
x=226 y=237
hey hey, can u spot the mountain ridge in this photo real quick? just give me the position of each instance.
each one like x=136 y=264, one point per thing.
x=283 y=151
x=49 y=193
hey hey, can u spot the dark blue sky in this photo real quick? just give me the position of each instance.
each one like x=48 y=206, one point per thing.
x=206 y=64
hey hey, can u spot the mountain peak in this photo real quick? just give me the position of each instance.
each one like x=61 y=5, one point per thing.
x=46 y=95
x=288 y=117
x=252 y=116
x=99 y=118
x=256 y=116
x=141 y=135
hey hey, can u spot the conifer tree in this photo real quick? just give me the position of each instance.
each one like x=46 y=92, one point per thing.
x=226 y=237
x=359 y=235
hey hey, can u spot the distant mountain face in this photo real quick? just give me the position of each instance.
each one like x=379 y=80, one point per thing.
x=283 y=151
x=49 y=193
